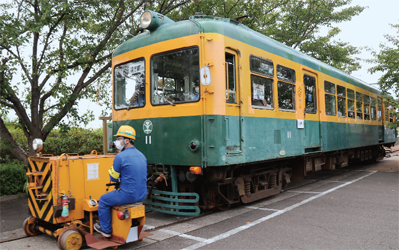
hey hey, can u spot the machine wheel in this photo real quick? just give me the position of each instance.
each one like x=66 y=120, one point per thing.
x=70 y=239
x=29 y=226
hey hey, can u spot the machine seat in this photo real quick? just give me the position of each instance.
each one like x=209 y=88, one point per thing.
x=137 y=204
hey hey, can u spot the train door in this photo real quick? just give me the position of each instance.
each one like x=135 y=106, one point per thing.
x=232 y=118
x=312 y=112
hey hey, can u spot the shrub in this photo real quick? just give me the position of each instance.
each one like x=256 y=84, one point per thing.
x=75 y=140
x=12 y=178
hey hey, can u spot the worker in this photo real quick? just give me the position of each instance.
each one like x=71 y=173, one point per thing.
x=130 y=168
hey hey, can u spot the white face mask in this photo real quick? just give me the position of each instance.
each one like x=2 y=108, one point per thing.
x=196 y=89
x=119 y=146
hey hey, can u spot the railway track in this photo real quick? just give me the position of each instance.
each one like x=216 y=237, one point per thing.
x=392 y=149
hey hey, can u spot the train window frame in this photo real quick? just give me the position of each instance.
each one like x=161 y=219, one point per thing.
x=263 y=105
x=279 y=85
x=280 y=69
x=329 y=96
x=386 y=111
x=188 y=84
x=379 y=109
x=359 y=103
x=330 y=89
x=341 y=98
x=350 y=93
x=373 y=109
x=231 y=93
x=308 y=95
x=366 y=107
x=142 y=87
x=253 y=59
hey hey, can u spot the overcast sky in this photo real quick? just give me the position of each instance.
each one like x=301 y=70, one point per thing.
x=368 y=30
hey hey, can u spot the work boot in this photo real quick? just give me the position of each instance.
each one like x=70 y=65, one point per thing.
x=97 y=227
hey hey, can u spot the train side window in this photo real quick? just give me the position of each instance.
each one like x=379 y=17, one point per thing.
x=310 y=94
x=286 y=74
x=341 y=94
x=373 y=110
x=286 y=95
x=129 y=80
x=286 y=91
x=391 y=116
x=366 y=107
x=231 y=77
x=386 y=114
x=261 y=66
x=351 y=103
x=359 y=102
x=330 y=98
x=262 y=91
x=379 y=111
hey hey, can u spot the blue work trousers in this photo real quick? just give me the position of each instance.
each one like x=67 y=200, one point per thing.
x=109 y=200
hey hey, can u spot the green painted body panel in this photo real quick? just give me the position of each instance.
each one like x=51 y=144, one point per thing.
x=261 y=139
x=238 y=32
x=312 y=134
x=170 y=139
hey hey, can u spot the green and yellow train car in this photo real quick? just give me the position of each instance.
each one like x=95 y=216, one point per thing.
x=229 y=115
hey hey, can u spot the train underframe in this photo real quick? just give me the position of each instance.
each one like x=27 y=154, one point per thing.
x=222 y=186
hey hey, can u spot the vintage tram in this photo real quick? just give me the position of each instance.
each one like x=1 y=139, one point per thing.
x=229 y=115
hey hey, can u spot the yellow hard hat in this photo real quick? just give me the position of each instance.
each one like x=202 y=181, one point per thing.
x=126 y=131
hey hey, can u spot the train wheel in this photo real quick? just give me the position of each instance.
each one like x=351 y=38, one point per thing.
x=29 y=226
x=70 y=239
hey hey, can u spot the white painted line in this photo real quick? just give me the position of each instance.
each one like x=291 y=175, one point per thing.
x=246 y=226
x=169 y=231
x=192 y=237
x=304 y=192
x=262 y=208
x=148 y=227
x=268 y=209
x=182 y=235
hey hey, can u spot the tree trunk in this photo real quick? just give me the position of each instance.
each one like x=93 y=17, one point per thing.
x=11 y=144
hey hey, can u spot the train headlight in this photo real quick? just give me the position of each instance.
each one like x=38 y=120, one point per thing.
x=145 y=19
x=150 y=20
x=37 y=145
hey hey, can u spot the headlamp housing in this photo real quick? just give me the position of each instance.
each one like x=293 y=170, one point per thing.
x=37 y=145
x=151 y=20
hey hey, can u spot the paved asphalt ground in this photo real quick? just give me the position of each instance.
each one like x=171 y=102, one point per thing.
x=351 y=208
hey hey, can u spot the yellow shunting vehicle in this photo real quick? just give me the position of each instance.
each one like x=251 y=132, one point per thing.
x=63 y=201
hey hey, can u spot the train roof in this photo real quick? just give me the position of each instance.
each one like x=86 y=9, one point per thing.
x=240 y=32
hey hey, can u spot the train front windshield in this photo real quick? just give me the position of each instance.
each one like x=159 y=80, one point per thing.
x=175 y=77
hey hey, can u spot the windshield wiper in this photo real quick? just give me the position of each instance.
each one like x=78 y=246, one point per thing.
x=171 y=103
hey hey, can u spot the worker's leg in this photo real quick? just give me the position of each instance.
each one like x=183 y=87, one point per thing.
x=107 y=201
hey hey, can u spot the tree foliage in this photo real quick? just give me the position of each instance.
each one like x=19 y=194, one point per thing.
x=387 y=60
x=53 y=52
x=294 y=23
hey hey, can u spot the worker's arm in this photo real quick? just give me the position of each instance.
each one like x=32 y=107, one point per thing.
x=114 y=171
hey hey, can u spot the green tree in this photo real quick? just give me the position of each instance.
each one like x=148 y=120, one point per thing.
x=387 y=60
x=294 y=23
x=46 y=44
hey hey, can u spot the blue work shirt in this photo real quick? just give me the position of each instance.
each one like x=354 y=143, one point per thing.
x=132 y=166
